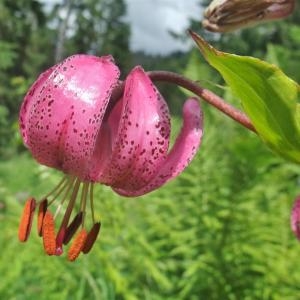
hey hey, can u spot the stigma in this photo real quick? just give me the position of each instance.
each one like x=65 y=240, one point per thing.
x=70 y=208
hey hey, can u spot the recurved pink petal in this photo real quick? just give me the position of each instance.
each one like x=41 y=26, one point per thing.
x=295 y=218
x=182 y=152
x=64 y=112
x=141 y=142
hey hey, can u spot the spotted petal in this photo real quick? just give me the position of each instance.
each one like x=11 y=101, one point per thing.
x=141 y=141
x=63 y=111
x=181 y=154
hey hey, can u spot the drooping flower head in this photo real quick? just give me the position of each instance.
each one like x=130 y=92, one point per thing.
x=68 y=122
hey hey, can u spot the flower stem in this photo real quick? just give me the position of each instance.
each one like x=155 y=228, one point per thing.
x=205 y=94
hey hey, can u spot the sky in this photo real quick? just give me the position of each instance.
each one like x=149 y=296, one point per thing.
x=152 y=19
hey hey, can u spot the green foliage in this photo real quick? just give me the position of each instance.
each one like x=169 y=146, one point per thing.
x=100 y=29
x=7 y=55
x=20 y=23
x=287 y=59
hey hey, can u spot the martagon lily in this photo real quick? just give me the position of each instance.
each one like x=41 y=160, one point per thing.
x=70 y=121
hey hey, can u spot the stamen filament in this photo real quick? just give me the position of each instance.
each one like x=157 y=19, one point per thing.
x=59 y=192
x=72 y=201
x=68 y=184
x=53 y=244
x=66 y=194
x=56 y=187
x=84 y=193
x=92 y=201
x=63 y=227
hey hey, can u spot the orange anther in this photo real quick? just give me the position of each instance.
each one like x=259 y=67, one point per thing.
x=26 y=219
x=77 y=245
x=41 y=213
x=48 y=232
x=91 y=238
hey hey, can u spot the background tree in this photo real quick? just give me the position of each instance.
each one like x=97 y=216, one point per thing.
x=24 y=52
x=95 y=27
x=33 y=38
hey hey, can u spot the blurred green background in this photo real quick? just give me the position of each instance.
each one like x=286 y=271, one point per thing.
x=219 y=231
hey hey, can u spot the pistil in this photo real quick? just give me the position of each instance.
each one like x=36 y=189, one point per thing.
x=63 y=227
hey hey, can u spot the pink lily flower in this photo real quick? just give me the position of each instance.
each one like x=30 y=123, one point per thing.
x=67 y=124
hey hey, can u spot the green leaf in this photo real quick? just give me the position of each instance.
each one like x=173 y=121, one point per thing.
x=268 y=96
